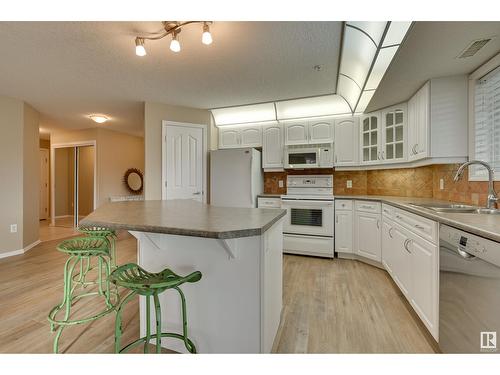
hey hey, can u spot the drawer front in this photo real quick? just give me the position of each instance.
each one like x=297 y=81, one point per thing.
x=388 y=211
x=269 y=202
x=421 y=226
x=343 y=204
x=367 y=206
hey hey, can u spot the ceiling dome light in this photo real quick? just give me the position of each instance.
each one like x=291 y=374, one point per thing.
x=98 y=118
x=206 y=37
x=175 y=46
x=140 y=50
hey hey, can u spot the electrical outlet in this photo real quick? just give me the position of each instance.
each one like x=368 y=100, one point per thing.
x=13 y=228
x=280 y=183
x=349 y=184
x=441 y=184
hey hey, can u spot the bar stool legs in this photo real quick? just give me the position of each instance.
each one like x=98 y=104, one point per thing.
x=191 y=348
x=82 y=251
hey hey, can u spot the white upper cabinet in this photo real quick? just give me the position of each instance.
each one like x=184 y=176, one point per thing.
x=229 y=137
x=251 y=136
x=370 y=138
x=240 y=136
x=321 y=131
x=296 y=133
x=394 y=130
x=383 y=136
x=437 y=120
x=418 y=124
x=272 y=146
x=346 y=131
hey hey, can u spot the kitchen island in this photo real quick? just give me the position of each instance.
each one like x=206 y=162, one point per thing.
x=236 y=306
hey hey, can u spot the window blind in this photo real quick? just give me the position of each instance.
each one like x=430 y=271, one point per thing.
x=487 y=122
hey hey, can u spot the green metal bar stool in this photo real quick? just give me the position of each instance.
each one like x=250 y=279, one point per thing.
x=141 y=282
x=110 y=234
x=80 y=250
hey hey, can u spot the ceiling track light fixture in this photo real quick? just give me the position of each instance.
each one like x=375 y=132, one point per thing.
x=172 y=28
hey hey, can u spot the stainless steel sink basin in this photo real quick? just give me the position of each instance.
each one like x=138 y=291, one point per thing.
x=457 y=208
x=444 y=207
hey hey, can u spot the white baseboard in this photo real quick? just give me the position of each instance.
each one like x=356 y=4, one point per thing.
x=20 y=251
x=11 y=253
x=31 y=246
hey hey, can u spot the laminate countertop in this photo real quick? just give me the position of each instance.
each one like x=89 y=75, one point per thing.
x=184 y=218
x=484 y=225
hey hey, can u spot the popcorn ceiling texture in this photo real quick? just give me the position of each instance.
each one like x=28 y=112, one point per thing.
x=421 y=182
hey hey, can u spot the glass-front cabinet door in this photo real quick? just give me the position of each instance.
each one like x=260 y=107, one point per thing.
x=394 y=129
x=370 y=138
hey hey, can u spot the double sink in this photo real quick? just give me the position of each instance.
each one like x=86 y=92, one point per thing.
x=456 y=208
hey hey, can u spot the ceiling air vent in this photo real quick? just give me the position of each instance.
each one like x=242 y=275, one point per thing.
x=473 y=48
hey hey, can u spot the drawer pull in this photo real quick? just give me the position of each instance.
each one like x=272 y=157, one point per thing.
x=367 y=207
x=399 y=217
x=419 y=227
x=390 y=232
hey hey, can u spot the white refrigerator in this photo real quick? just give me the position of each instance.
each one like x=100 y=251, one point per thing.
x=235 y=177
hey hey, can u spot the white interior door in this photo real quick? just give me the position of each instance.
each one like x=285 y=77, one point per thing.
x=184 y=162
x=44 y=184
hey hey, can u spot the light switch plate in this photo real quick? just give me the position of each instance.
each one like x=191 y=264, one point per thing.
x=349 y=184
x=441 y=184
x=13 y=228
x=280 y=183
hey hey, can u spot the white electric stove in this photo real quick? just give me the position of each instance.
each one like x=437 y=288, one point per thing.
x=309 y=224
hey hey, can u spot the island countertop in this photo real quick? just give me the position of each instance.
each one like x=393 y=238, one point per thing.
x=184 y=218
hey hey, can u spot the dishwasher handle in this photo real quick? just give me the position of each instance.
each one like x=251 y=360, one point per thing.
x=464 y=254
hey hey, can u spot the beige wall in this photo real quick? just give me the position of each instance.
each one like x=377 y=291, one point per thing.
x=11 y=164
x=154 y=114
x=20 y=171
x=115 y=153
x=85 y=180
x=31 y=176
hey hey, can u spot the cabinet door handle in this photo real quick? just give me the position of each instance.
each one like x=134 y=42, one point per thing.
x=335 y=158
x=416 y=148
x=378 y=224
x=378 y=155
x=407 y=242
x=419 y=227
x=337 y=219
x=383 y=155
x=390 y=232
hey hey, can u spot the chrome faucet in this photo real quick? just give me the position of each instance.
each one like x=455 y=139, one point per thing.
x=492 y=196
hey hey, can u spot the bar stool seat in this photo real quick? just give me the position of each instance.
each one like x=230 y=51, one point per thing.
x=80 y=250
x=142 y=282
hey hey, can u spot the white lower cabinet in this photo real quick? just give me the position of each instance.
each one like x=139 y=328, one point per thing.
x=412 y=262
x=424 y=282
x=343 y=230
x=368 y=235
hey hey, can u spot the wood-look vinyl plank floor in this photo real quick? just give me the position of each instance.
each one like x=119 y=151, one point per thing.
x=329 y=306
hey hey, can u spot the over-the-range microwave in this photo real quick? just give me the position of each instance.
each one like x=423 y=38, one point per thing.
x=300 y=157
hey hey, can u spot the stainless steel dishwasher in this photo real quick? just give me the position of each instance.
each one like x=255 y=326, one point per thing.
x=469 y=292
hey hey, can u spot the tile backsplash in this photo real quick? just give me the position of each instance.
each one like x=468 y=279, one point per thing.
x=423 y=182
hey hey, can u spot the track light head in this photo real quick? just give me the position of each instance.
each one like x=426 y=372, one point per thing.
x=206 y=37
x=140 y=50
